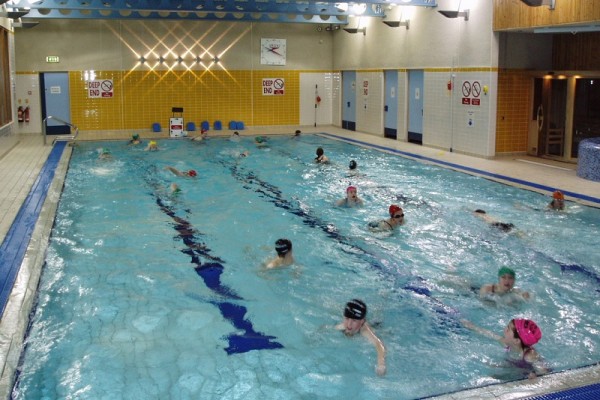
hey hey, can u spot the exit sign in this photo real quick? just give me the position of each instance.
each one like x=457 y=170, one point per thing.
x=52 y=59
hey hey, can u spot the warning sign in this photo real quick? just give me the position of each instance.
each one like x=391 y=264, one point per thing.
x=100 y=88
x=273 y=86
x=471 y=90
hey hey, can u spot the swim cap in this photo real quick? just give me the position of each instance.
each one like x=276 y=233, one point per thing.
x=480 y=211
x=352 y=164
x=135 y=136
x=349 y=188
x=393 y=209
x=258 y=139
x=558 y=195
x=355 y=309
x=283 y=246
x=506 y=270
x=153 y=143
x=319 y=151
x=191 y=172
x=528 y=331
x=105 y=151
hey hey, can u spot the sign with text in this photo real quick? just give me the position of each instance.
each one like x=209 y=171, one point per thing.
x=102 y=88
x=471 y=90
x=365 y=88
x=273 y=86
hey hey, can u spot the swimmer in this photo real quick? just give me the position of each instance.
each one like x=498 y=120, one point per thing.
x=321 y=158
x=505 y=285
x=152 y=146
x=519 y=337
x=244 y=153
x=297 y=133
x=355 y=322
x=396 y=219
x=190 y=174
x=135 y=139
x=202 y=136
x=283 y=247
x=235 y=136
x=260 y=141
x=352 y=165
x=558 y=201
x=503 y=226
x=351 y=199
x=175 y=188
x=104 y=154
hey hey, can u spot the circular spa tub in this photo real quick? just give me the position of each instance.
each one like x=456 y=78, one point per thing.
x=588 y=164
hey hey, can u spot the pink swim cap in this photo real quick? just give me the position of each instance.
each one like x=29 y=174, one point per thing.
x=528 y=331
x=350 y=188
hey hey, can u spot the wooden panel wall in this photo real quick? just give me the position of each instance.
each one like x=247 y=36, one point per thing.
x=580 y=52
x=514 y=14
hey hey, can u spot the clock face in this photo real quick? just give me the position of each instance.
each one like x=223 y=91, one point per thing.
x=272 y=51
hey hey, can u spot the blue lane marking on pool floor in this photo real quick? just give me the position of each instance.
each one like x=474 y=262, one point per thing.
x=591 y=392
x=210 y=272
x=17 y=239
x=467 y=169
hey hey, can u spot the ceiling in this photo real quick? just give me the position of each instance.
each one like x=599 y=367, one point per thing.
x=282 y=11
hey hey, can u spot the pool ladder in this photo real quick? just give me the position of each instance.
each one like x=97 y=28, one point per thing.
x=59 y=138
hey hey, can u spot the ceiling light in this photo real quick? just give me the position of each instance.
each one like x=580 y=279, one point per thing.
x=536 y=3
x=24 y=24
x=455 y=14
x=396 y=24
x=13 y=13
x=356 y=30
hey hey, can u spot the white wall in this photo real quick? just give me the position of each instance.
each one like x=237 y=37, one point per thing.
x=369 y=101
x=28 y=95
x=311 y=85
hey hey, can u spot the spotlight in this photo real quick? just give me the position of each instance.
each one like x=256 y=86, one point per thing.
x=455 y=14
x=396 y=24
x=356 y=30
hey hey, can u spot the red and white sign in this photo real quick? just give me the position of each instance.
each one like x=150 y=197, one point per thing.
x=100 y=89
x=273 y=86
x=471 y=90
x=365 y=88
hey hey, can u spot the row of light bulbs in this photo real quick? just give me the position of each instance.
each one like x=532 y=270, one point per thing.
x=179 y=60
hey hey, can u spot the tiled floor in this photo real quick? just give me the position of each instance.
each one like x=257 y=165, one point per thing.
x=22 y=160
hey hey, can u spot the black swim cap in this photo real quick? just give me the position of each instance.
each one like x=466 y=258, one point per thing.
x=352 y=164
x=320 y=151
x=283 y=246
x=355 y=309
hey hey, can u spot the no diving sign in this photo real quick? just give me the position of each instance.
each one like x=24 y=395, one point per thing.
x=273 y=86
x=100 y=88
x=471 y=92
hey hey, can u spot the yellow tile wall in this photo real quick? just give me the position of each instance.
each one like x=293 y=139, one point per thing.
x=512 y=118
x=141 y=98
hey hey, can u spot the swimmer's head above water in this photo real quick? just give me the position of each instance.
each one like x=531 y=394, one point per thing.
x=283 y=246
x=352 y=164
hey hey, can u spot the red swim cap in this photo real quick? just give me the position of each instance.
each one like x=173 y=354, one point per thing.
x=558 y=195
x=393 y=209
x=349 y=188
x=528 y=331
x=191 y=172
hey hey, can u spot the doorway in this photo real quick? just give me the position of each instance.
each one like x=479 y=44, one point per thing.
x=415 y=105
x=390 y=109
x=56 y=102
x=349 y=100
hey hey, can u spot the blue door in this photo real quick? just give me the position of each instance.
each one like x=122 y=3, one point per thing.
x=56 y=101
x=349 y=100
x=415 y=106
x=390 y=109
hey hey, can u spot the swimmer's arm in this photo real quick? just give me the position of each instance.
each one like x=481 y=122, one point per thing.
x=370 y=335
x=485 y=290
x=174 y=170
x=489 y=334
x=340 y=203
x=537 y=363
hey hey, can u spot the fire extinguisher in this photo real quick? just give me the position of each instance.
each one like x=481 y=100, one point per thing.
x=318 y=100
x=26 y=114
x=449 y=85
x=20 y=114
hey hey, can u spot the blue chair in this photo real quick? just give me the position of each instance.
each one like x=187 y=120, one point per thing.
x=239 y=126
x=191 y=127
x=156 y=127
x=204 y=126
x=218 y=126
x=232 y=125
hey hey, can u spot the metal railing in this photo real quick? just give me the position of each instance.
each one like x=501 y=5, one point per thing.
x=62 y=137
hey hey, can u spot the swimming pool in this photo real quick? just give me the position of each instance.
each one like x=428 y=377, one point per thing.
x=123 y=312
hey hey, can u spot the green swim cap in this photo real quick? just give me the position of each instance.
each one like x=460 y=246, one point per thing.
x=136 y=136
x=259 y=139
x=506 y=270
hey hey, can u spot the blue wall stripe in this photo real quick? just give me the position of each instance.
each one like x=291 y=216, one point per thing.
x=17 y=239
x=468 y=169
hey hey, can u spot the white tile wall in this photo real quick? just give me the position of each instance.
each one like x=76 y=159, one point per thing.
x=311 y=84
x=336 y=98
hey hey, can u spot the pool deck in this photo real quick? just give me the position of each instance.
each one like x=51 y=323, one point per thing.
x=22 y=158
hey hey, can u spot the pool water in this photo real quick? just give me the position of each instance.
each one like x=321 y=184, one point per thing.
x=149 y=294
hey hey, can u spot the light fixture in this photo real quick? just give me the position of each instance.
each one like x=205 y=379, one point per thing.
x=142 y=60
x=24 y=24
x=537 y=3
x=216 y=60
x=455 y=14
x=396 y=24
x=356 y=30
x=198 y=59
x=161 y=59
x=13 y=13
x=179 y=60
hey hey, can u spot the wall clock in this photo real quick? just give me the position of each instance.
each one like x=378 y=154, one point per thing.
x=272 y=51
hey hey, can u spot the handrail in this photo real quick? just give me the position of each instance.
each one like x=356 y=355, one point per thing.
x=70 y=137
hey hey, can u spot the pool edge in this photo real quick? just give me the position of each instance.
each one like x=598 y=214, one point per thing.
x=15 y=318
